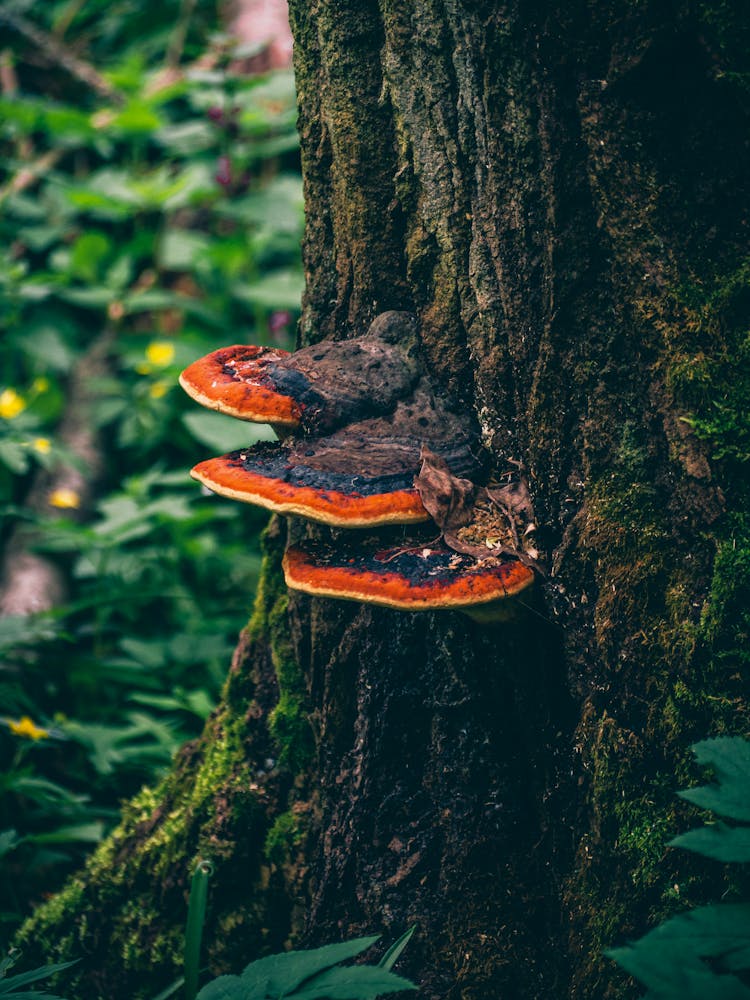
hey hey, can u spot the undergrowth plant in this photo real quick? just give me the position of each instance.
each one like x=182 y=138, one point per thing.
x=150 y=202
x=704 y=954
x=317 y=974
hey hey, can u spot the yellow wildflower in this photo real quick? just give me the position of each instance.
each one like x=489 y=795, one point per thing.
x=27 y=728
x=42 y=445
x=64 y=498
x=11 y=404
x=159 y=389
x=40 y=384
x=160 y=353
x=143 y=368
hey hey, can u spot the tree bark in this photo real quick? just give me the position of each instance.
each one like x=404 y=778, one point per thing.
x=560 y=192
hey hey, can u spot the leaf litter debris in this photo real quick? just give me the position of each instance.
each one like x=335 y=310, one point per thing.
x=488 y=523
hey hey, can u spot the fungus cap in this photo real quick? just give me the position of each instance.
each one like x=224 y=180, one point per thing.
x=318 y=484
x=237 y=381
x=415 y=579
x=318 y=388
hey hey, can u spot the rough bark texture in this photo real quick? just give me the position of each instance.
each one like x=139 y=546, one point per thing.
x=560 y=192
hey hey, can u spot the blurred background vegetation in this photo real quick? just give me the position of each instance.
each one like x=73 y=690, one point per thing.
x=150 y=212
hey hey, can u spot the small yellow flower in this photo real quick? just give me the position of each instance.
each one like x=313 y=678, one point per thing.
x=42 y=445
x=159 y=389
x=40 y=384
x=27 y=728
x=64 y=498
x=143 y=368
x=160 y=353
x=11 y=404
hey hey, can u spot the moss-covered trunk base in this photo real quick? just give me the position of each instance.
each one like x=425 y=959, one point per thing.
x=560 y=192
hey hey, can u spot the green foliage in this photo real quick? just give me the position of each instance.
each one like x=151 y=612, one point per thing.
x=696 y=954
x=194 y=928
x=15 y=986
x=148 y=205
x=309 y=975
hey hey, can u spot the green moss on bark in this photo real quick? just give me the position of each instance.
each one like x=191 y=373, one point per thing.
x=289 y=721
x=124 y=914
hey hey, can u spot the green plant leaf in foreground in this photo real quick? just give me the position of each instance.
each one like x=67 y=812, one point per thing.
x=394 y=952
x=355 y=982
x=285 y=972
x=718 y=841
x=194 y=928
x=729 y=756
x=313 y=975
x=669 y=960
x=13 y=987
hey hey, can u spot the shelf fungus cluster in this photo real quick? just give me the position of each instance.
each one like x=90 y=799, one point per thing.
x=366 y=442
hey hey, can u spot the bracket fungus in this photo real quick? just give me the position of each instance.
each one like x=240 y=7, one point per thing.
x=420 y=578
x=318 y=388
x=285 y=480
x=366 y=442
x=359 y=476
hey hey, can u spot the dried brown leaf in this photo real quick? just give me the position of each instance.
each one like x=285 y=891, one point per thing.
x=447 y=499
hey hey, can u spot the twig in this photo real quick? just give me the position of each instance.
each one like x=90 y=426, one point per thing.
x=59 y=53
x=26 y=176
x=179 y=34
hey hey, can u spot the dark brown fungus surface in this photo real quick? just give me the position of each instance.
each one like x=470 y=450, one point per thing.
x=368 y=442
x=318 y=388
x=280 y=479
x=360 y=476
x=415 y=578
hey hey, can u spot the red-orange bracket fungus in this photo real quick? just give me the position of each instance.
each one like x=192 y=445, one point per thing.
x=368 y=442
x=420 y=578
x=318 y=388
x=360 y=476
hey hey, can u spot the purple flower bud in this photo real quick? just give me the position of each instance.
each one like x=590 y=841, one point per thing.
x=223 y=175
x=277 y=321
x=216 y=114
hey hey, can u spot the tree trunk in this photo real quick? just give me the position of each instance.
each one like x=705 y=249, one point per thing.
x=560 y=192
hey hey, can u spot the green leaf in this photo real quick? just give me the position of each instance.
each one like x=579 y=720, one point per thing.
x=356 y=982
x=90 y=833
x=231 y=988
x=136 y=118
x=394 y=952
x=87 y=298
x=26 y=630
x=225 y=433
x=729 y=756
x=9 y=961
x=669 y=959
x=14 y=456
x=186 y=138
x=170 y=990
x=45 y=344
x=278 y=290
x=180 y=248
x=194 y=927
x=8 y=986
x=87 y=255
x=718 y=841
x=287 y=971
x=9 y=840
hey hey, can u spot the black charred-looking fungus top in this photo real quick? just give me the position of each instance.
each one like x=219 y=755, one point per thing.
x=360 y=416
